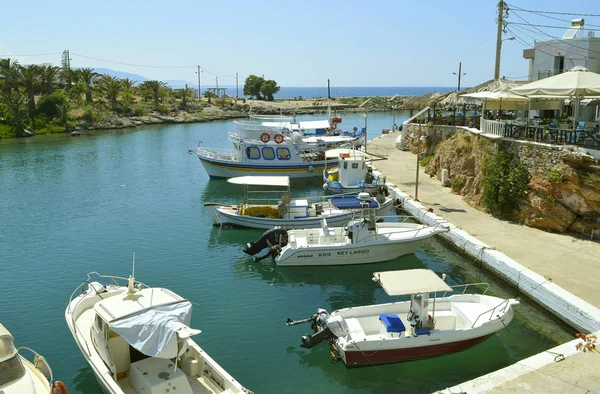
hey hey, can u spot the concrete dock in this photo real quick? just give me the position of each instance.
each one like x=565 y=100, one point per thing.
x=562 y=259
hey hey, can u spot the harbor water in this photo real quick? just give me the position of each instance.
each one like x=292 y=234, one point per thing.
x=69 y=206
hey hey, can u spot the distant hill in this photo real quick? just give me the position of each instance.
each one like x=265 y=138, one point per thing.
x=121 y=74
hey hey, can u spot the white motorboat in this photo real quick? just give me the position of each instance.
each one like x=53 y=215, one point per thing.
x=354 y=173
x=420 y=328
x=18 y=375
x=264 y=209
x=276 y=146
x=137 y=339
x=362 y=241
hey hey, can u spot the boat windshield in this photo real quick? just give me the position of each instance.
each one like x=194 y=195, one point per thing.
x=10 y=370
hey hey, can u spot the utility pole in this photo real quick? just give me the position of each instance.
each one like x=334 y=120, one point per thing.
x=459 y=74
x=198 y=72
x=236 y=87
x=66 y=63
x=499 y=38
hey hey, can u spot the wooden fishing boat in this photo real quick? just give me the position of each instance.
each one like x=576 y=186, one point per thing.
x=137 y=339
x=361 y=241
x=18 y=375
x=264 y=209
x=422 y=327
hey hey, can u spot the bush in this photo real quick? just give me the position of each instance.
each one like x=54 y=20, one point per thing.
x=457 y=184
x=139 y=109
x=48 y=104
x=7 y=131
x=163 y=109
x=554 y=176
x=425 y=160
x=50 y=128
x=592 y=179
x=505 y=182
x=91 y=114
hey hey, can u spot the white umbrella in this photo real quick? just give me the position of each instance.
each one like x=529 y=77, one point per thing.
x=502 y=99
x=577 y=82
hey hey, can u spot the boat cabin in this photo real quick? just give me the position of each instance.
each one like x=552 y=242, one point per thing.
x=140 y=335
x=11 y=368
x=418 y=283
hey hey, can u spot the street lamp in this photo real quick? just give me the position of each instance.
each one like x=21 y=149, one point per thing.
x=420 y=142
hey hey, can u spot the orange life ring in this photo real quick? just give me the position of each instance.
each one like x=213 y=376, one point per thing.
x=278 y=138
x=59 y=386
x=265 y=137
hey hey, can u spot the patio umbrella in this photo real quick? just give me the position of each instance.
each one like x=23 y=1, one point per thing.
x=503 y=99
x=577 y=82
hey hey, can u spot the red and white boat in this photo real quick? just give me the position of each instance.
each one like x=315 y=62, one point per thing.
x=425 y=326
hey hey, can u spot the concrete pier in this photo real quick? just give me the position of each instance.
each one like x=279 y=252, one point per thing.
x=554 y=270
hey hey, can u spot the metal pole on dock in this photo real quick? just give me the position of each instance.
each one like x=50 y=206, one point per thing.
x=236 y=87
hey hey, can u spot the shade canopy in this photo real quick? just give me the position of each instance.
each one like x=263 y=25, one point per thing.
x=304 y=125
x=502 y=99
x=354 y=153
x=578 y=81
x=261 y=180
x=415 y=281
x=454 y=98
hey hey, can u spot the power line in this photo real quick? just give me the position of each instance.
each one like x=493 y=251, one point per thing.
x=128 y=64
x=550 y=12
x=543 y=43
x=548 y=26
x=31 y=55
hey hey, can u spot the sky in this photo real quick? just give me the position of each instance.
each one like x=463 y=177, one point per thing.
x=302 y=43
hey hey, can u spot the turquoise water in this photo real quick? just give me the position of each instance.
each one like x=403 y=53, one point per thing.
x=73 y=205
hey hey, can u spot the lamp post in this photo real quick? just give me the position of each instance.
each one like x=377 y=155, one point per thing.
x=365 y=115
x=420 y=141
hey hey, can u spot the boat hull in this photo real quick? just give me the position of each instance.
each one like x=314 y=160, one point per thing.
x=348 y=254
x=229 y=169
x=357 y=358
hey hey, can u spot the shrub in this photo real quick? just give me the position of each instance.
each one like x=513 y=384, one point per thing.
x=505 y=182
x=91 y=114
x=7 y=131
x=138 y=109
x=48 y=104
x=163 y=109
x=457 y=184
x=554 y=176
x=592 y=179
x=50 y=128
x=425 y=160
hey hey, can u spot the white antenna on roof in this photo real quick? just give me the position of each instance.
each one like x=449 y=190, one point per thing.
x=131 y=280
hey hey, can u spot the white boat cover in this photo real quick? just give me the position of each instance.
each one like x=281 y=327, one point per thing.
x=335 y=153
x=415 y=281
x=151 y=331
x=261 y=180
x=304 y=125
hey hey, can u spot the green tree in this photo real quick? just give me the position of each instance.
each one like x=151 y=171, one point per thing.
x=76 y=91
x=89 y=77
x=16 y=110
x=184 y=94
x=252 y=86
x=208 y=95
x=268 y=89
x=154 y=89
x=67 y=76
x=29 y=77
x=49 y=76
x=9 y=74
x=111 y=87
x=47 y=104
x=63 y=109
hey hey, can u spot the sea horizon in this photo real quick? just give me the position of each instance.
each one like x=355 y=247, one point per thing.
x=358 y=91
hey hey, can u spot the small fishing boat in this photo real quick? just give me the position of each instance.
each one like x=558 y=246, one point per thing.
x=421 y=327
x=276 y=146
x=362 y=241
x=137 y=339
x=264 y=209
x=18 y=375
x=354 y=173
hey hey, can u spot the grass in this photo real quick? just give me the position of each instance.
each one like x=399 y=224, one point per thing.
x=554 y=176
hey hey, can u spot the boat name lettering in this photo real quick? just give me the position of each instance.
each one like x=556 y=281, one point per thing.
x=324 y=254
x=349 y=252
x=304 y=256
x=434 y=340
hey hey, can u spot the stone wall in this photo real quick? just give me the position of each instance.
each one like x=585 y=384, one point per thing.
x=564 y=191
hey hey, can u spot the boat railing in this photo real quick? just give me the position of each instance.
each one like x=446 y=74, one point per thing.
x=492 y=310
x=38 y=360
x=467 y=285
x=220 y=154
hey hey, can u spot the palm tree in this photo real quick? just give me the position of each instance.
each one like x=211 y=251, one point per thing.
x=9 y=74
x=89 y=77
x=68 y=76
x=49 y=77
x=63 y=112
x=185 y=93
x=112 y=87
x=30 y=79
x=128 y=84
x=16 y=106
x=154 y=89
x=208 y=95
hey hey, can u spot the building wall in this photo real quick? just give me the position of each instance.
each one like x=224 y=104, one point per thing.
x=575 y=51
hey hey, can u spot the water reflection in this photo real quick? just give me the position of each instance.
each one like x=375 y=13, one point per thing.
x=85 y=382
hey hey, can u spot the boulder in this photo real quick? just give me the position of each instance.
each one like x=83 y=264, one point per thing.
x=544 y=212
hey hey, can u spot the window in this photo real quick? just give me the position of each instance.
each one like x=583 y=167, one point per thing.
x=354 y=165
x=98 y=323
x=253 y=153
x=559 y=64
x=268 y=153
x=11 y=370
x=283 y=153
x=345 y=165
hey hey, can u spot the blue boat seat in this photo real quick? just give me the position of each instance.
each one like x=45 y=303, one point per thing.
x=392 y=322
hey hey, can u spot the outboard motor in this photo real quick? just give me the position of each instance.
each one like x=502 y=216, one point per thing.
x=318 y=323
x=270 y=238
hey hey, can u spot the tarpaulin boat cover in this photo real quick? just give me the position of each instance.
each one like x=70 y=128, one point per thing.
x=352 y=203
x=151 y=331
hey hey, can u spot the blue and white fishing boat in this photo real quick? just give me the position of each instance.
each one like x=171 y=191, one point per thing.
x=354 y=173
x=277 y=146
x=263 y=209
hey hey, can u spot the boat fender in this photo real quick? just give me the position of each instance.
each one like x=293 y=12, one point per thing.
x=59 y=387
x=311 y=168
x=265 y=137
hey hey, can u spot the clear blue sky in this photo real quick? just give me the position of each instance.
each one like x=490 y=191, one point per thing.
x=303 y=43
